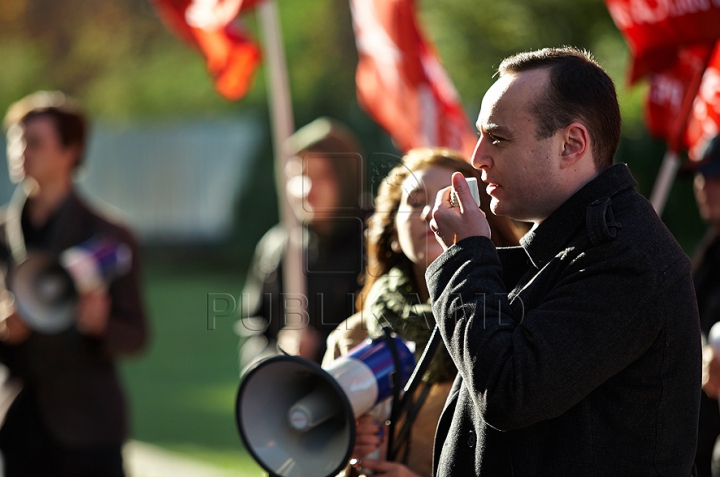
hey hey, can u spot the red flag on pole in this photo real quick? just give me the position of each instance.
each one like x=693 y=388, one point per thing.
x=656 y=29
x=231 y=55
x=686 y=122
x=401 y=82
x=669 y=90
x=673 y=39
x=704 y=121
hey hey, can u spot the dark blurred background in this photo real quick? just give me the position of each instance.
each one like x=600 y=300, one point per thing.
x=192 y=173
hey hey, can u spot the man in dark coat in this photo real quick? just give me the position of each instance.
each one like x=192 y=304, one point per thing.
x=578 y=353
x=69 y=418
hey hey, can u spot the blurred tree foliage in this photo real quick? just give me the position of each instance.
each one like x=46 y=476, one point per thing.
x=121 y=61
x=115 y=56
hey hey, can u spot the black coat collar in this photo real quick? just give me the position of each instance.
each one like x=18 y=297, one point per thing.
x=546 y=240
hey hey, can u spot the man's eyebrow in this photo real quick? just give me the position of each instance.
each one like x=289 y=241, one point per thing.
x=492 y=128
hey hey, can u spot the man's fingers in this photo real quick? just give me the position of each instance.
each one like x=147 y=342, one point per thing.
x=14 y=330
x=367 y=429
x=442 y=199
x=363 y=450
x=368 y=435
x=462 y=190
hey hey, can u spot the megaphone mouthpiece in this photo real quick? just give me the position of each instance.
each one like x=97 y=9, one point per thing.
x=311 y=411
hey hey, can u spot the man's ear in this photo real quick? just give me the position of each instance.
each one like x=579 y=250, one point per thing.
x=71 y=154
x=576 y=144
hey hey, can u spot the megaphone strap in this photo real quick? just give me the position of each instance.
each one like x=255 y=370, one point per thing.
x=400 y=407
x=402 y=439
x=396 y=411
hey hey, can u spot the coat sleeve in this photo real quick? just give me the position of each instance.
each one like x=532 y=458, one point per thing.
x=127 y=331
x=522 y=365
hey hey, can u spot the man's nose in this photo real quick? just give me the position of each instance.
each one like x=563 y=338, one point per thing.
x=480 y=156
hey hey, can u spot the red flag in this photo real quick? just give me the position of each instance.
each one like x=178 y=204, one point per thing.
x=704 y=122
x=668 y=94
x=209 y=24
x=668 y=91
x=656 y=29
x=401 y=82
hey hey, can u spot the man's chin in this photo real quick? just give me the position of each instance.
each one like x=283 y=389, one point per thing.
x=496 y=207
x=502 y=209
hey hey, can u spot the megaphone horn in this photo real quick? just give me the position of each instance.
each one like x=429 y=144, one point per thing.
x=46 y=286
x=298 y=420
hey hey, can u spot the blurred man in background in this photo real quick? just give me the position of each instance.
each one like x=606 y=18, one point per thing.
x=324 y=189
x=707 y=288
x=69 y=417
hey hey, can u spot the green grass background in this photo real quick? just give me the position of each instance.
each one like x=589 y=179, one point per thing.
x=182 y=390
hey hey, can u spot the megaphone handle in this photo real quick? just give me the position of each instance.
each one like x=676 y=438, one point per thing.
x=381 y=414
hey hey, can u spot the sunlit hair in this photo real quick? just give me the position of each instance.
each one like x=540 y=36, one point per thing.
x=381 y=225
x=66 y=113
x=579 y=90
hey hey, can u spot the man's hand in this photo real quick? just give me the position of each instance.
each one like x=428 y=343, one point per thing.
x=93 y=313
x=710 y=372
x=453 y=224
x=13 y=330
x=369 y=436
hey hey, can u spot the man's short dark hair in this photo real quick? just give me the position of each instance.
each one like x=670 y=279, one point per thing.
x=579 y=90
x=68 y=116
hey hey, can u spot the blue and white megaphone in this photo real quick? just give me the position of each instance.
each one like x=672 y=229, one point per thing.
x=46 y=286
x=298 y=420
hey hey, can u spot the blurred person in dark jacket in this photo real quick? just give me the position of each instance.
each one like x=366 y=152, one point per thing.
x=70 y=416
x=707 y=287
x=324 y=188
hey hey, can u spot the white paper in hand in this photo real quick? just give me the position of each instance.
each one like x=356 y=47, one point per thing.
x=473 y=186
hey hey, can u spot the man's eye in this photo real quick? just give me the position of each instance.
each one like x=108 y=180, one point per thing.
x=494 y=140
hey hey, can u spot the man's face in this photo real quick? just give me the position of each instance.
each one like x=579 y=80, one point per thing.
x=315 y=192
x=35 y=151
x=521 y=171
x=707 y=195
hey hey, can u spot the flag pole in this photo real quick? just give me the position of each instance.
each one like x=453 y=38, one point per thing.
x=283 y=126
x=664 y=181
